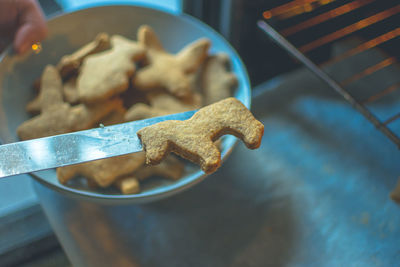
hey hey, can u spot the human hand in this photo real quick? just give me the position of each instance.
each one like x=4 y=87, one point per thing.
x=21 y=23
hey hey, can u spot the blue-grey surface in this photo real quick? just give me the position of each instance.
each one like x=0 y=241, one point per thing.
x=314 y=194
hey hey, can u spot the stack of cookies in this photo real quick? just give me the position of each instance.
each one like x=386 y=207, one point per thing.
x=114 y=79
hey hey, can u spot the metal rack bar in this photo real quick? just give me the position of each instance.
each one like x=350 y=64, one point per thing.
x=365 y=46
x=368 y=71
x=325 y=16
x=293 y=51
x=350 y=29
x=392 y=119
x=381 y=94
x=289 y=7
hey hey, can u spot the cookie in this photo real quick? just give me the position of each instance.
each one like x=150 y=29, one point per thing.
x=114 y=117
x=217 y=81
x=165 y=70
x=102 y=172
x=106 y=74
x=193 y=139
x=166 y=101
x=142 y=111
x=58 y=117
x=71 y=63
x=171 y=168
x=64 y=118
x=128 y=185
x=70 y=91
x=49 y=92
x=162 y=104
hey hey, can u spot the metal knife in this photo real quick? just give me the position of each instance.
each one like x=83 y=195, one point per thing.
x=77 y=147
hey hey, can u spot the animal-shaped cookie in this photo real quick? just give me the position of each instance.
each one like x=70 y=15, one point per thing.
x=194 y=139
x=106 y=74
x=49 y=91
x=217 y=80
x=70 y=91
x=128 y=185
x=142 y=111
x=169 y=102
x=58 y=117
x=167 y=70
x=70 y=95
x=171 y=168
x=115 y=117
x=103 y=172
x=71 y=63
x=162 y=104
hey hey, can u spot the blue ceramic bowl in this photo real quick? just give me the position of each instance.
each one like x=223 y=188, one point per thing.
x=70 y=31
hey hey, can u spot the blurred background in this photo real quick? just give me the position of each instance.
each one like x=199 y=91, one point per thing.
x=356 y=42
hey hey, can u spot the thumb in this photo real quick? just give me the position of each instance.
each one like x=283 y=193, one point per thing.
x=32 y=26
x=24 y=38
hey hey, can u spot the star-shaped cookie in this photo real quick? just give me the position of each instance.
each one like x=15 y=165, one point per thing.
x=106 y=74
x=167 y=70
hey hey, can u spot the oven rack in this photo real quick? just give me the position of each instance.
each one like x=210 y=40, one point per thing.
x=306 y=29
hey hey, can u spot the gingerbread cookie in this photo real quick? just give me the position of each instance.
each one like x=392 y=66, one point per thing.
x=70 y=91
x=171 y=168
x=49 y=91
x=166 y=101
x=128 y=185
x=162 y=104
x=106 y=74
x=218 y=81
x=115 y=117
x=167 y=70
x=194 y=139
x=103 y=172
x=142 y=111
x=71 y=63
x=57 y=117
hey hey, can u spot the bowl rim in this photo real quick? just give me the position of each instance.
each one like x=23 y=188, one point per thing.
x=165 y=190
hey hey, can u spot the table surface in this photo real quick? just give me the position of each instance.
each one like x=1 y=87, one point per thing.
x=314 y=194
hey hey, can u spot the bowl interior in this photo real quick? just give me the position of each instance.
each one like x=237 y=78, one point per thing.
x=70 y=31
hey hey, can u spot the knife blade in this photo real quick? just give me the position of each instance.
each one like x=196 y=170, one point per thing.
x=77 y=147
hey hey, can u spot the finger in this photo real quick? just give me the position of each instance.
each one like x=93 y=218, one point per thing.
x=32 y=25
x=25 y=37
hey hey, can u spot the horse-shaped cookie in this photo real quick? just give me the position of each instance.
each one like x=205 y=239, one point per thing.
x=194 y=139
